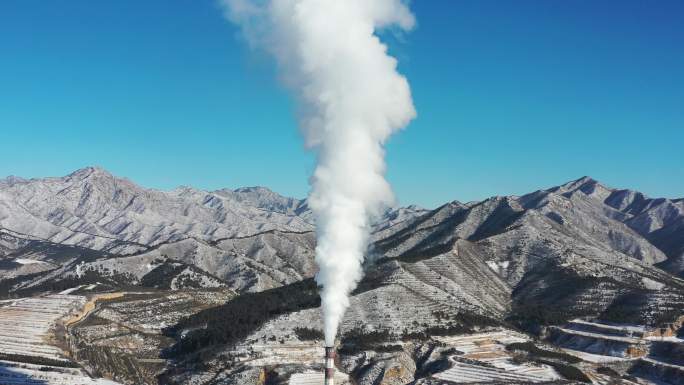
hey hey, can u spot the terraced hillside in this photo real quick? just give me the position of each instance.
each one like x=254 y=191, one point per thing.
x=29 y=350
x=121 y=335
x=640 y=352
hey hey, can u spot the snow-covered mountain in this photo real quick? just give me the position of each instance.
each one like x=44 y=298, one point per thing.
x=580 y=249
x=91 y=208
x=532 y=261
x=251 y=237
x=225 y=230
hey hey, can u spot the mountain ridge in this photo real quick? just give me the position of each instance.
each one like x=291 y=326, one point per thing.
x=656 y=219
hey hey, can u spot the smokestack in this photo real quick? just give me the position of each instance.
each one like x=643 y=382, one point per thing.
x=329 y=365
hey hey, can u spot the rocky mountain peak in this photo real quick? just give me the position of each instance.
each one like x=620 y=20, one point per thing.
x=12 y=180
x=263 y=198
x=90 y=171
x=585 y=184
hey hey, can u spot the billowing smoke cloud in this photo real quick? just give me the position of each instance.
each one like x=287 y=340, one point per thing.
x=351 y=100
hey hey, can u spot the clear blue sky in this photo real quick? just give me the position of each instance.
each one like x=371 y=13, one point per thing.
x=512 y=96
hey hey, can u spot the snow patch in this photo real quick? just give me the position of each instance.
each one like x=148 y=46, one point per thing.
x=498 y=266
x=651 y=284
x=25 y=261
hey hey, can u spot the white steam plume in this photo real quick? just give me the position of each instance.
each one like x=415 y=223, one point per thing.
x=351 y=99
